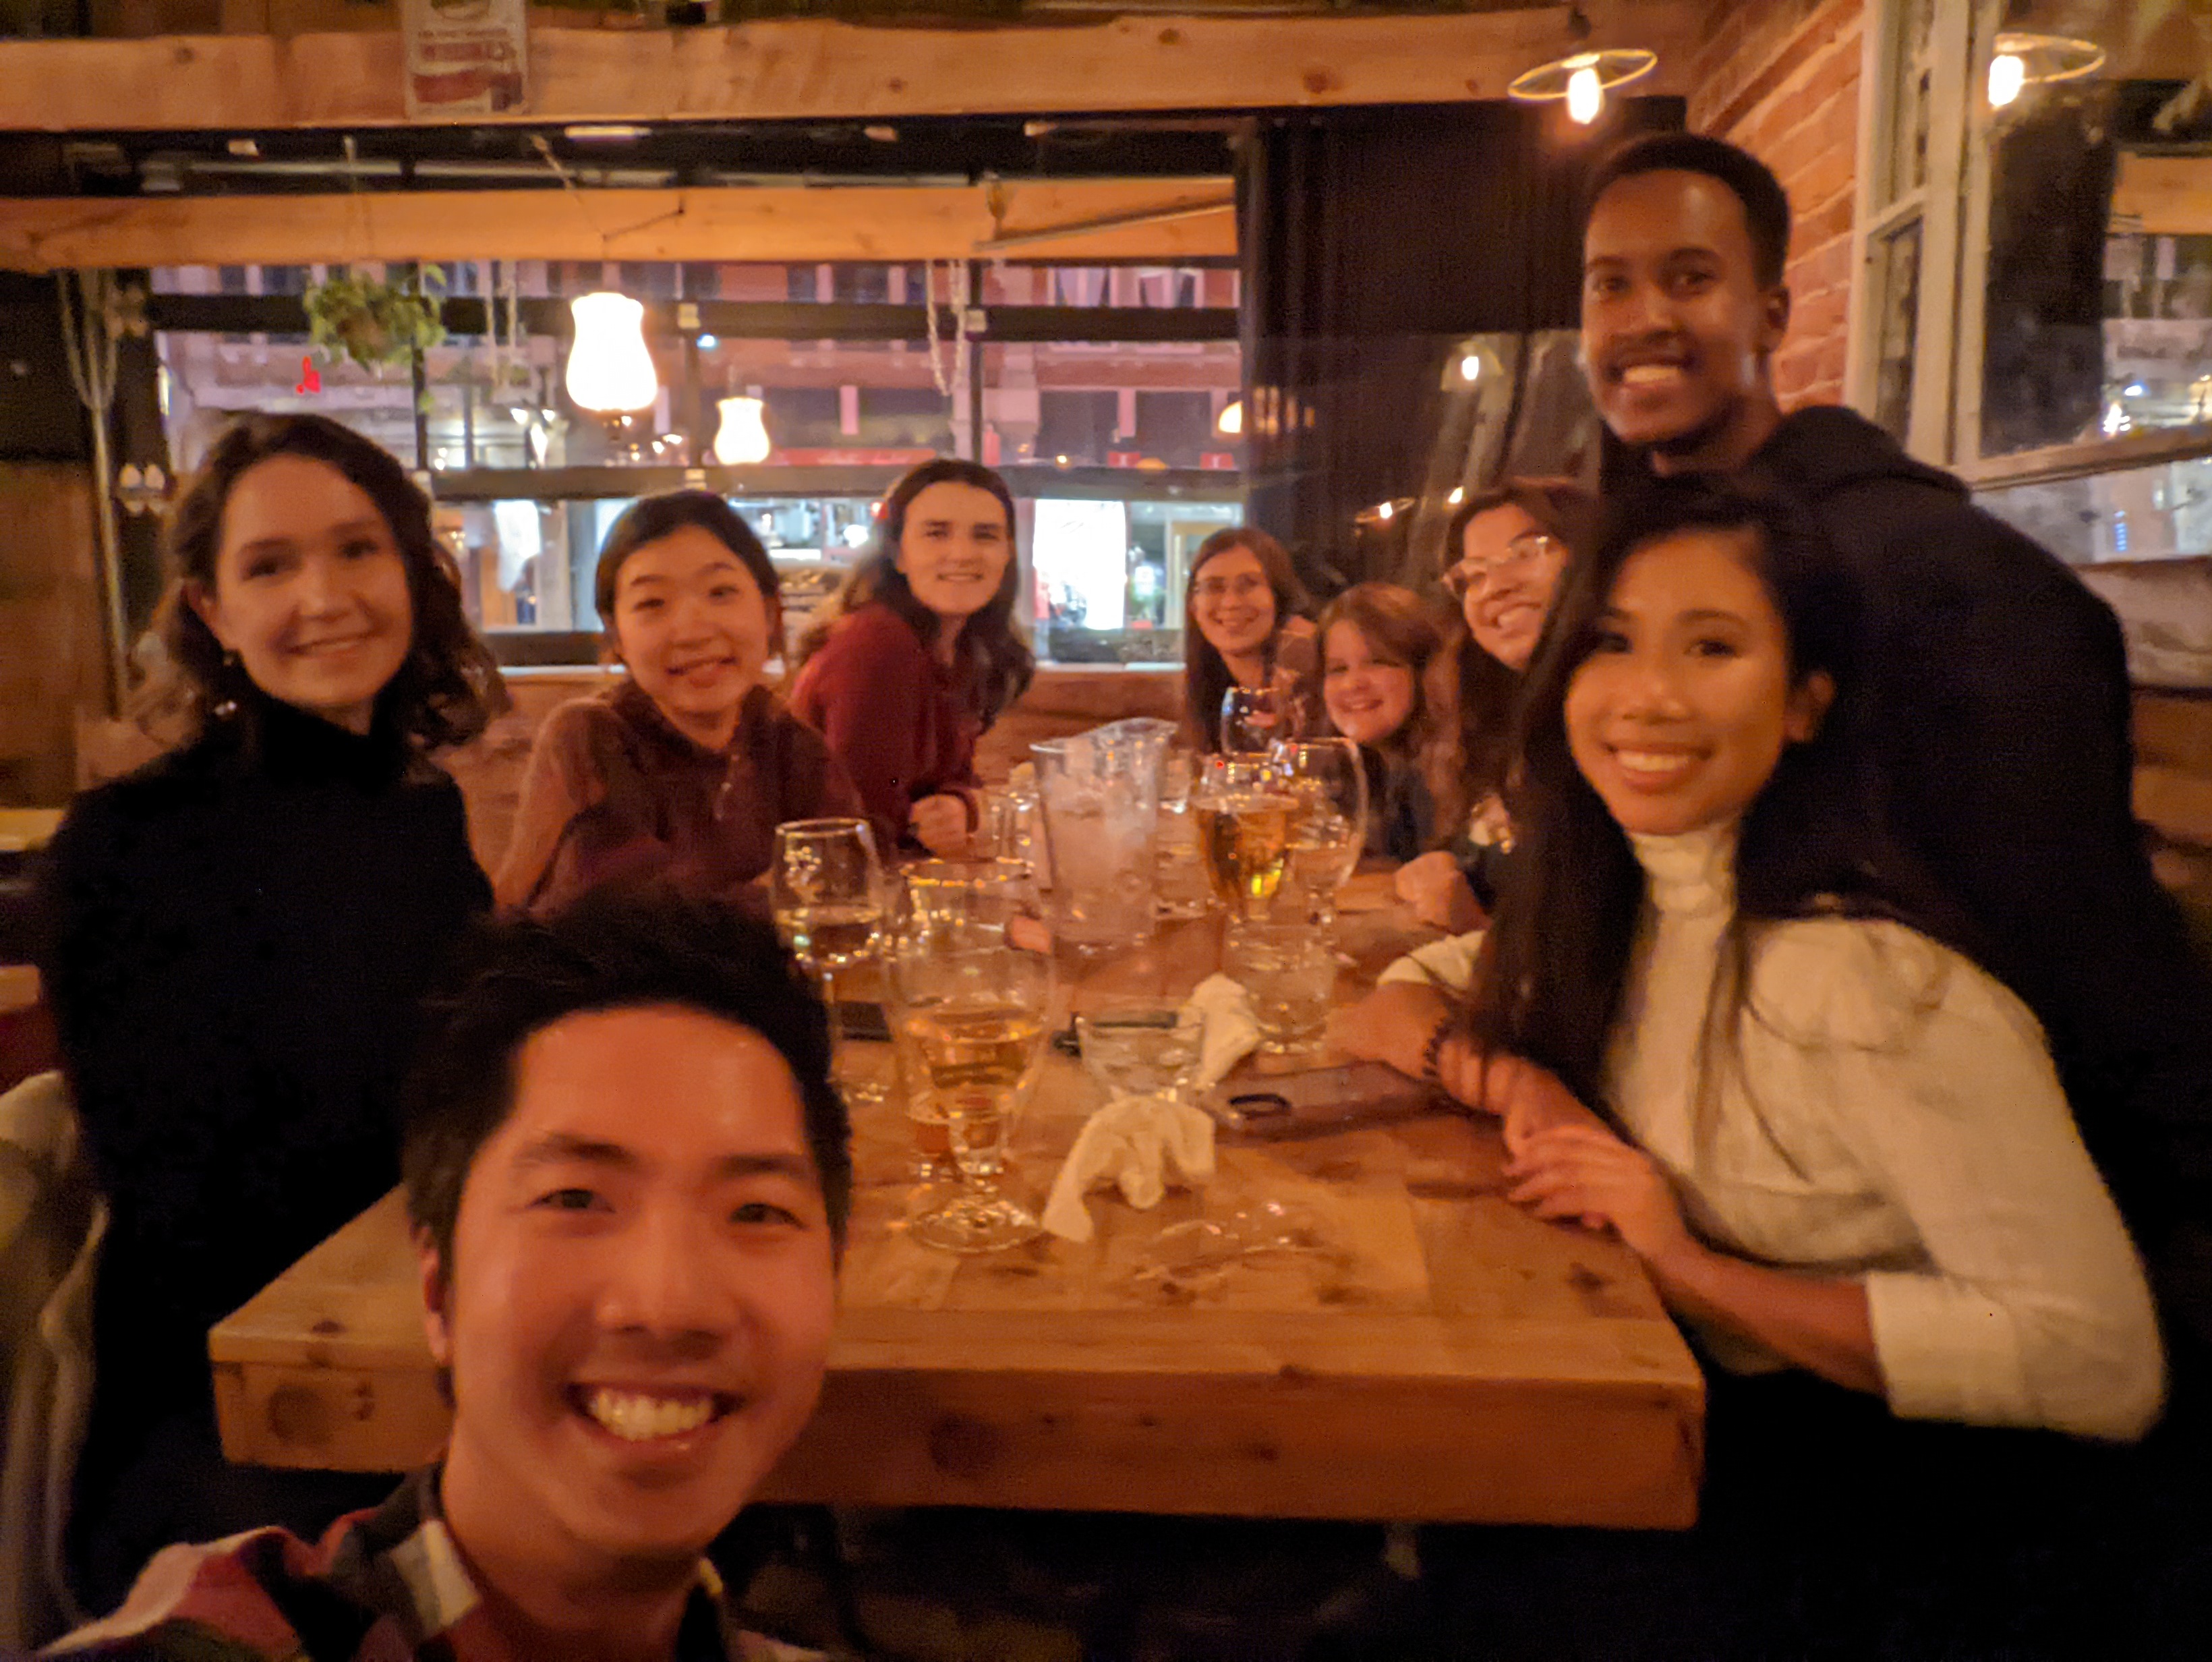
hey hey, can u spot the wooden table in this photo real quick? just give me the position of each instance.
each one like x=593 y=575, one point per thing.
x=1425 y=1350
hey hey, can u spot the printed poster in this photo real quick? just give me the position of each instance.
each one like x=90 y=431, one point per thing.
x=465 y=58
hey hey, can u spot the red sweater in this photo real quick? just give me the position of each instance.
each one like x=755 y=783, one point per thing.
x=903 y=725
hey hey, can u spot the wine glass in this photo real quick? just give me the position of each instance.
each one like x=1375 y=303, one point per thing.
x=973 y=1005
x=825 y=888
x=1255 y=719
x=1244 y=813
x=1328 y=777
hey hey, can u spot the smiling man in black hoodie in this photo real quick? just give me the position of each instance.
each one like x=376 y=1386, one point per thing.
x=1999 y=679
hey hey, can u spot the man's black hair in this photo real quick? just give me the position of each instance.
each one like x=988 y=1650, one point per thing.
x=611 y=950
x=1765 y=203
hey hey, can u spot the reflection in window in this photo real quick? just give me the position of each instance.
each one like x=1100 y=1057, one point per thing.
x=1899 y=325
x=2163 y=512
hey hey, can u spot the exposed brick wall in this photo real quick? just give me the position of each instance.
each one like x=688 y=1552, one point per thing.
x=1781 y=78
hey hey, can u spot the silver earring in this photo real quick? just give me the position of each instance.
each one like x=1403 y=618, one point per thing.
x=227 y=706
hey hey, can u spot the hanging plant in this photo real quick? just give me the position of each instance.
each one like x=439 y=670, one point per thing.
x=374 y=322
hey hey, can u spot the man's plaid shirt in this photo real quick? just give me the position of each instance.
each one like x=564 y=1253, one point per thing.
x=385 y=1585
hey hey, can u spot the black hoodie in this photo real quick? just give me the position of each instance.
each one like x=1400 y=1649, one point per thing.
x=2001 y=707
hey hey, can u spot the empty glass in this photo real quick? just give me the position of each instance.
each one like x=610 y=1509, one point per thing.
x=1180 y=886
x=1289 y=969
x=1139 y=1047
x=1257 y=718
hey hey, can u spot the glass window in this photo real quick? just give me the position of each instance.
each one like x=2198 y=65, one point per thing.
x=1082 y=404
x=2163 y=512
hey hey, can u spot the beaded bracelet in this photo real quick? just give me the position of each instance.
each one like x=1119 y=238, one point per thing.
x=1433 y=1052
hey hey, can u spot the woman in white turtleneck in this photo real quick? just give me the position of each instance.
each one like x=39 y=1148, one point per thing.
x=1836 y=1143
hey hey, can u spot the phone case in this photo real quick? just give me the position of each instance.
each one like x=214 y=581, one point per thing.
x=864 y=1020
x=1322 y=1099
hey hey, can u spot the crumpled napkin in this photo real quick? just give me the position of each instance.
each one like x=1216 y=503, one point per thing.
x=1232 y=1031
x=1132 y=1141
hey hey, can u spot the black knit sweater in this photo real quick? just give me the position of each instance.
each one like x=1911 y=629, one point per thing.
x=240 y=935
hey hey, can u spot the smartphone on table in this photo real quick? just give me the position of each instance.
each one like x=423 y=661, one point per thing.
x=1315 y=1100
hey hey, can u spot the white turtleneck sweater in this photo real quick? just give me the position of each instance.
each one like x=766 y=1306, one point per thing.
x=1888 y=1111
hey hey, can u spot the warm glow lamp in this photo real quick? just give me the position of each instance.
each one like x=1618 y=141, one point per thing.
x=742 y=439
x=1230 y=421
x=610 y=370
x=2023 y=60
x=1583 y=79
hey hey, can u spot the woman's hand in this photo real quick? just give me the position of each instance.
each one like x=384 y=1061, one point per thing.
x=1529 y=1099
x=939 y=823
x=1572 y=1170
x=1432 y=885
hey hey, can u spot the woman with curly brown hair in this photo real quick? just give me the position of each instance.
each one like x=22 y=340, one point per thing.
x=1376 y=642
x=240 y=933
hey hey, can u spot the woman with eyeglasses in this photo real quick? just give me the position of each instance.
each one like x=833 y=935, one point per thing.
x=1244 y=625
x=1510 y=543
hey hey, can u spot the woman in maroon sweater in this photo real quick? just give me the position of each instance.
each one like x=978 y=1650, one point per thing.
x=918 y=655
x=684 y=770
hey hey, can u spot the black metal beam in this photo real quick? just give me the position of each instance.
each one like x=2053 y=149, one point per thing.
x=803 y=320
x=1026 y=479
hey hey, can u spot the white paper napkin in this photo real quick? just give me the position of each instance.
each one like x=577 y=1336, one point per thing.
x=1232 y=1031
x=1132 y=1143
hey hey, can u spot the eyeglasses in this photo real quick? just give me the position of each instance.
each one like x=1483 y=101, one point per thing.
x=1470 y=576
x=1217 y=589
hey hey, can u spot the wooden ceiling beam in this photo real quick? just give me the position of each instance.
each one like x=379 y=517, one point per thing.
x=803 y=69
x=2164 y=195
x=774 y=224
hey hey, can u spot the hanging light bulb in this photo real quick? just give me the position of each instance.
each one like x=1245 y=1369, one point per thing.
x=1230 y=421
x=2008 y=75
x=742 y=439
x=610 y=370
x=2033 y=60
x=1585 y=92
x=1583 y=78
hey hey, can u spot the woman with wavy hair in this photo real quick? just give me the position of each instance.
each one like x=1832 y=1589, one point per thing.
x=1244 y=625
x=918 y=655
x=1376 y=642
x=1508 y=546
x=240 y=933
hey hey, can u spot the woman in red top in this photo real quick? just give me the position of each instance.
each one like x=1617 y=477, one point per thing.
x=918 y=655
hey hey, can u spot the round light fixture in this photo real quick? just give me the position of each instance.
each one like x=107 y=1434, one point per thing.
x=1230 y=421
x=2036 y=60
x=1582 y=79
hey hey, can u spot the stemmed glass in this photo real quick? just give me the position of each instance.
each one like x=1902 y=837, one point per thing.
x=1255 y=719
x=974 y=1005
x=825 y=888
x=1329 y=779
x=1245 y=815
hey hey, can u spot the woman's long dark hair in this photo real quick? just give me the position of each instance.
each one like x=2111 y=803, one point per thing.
x=1206 y=676
x=993 y=661
x=1469 y=693
x=1549 y=980
x=447 y=689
